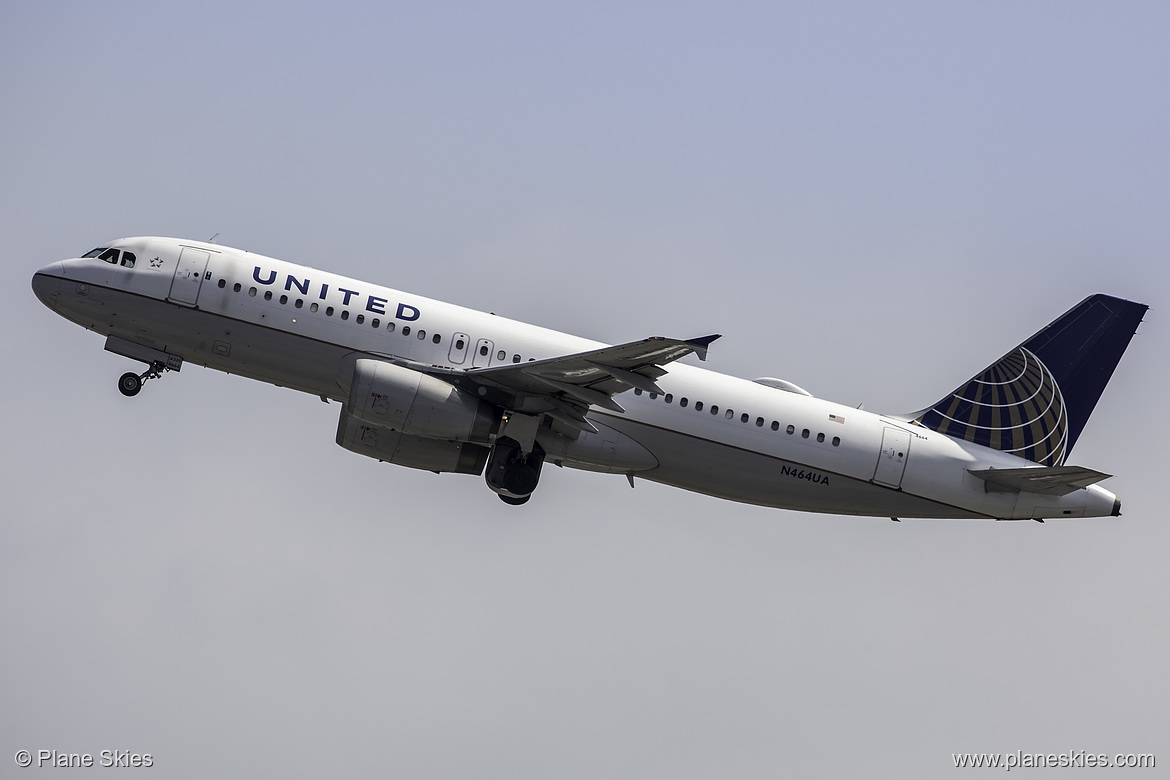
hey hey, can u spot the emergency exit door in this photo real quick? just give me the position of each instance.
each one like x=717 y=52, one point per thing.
x=483 y=353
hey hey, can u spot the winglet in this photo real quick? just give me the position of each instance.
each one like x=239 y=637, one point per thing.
x=700 y=345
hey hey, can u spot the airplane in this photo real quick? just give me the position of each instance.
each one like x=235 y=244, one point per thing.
x=434 y=386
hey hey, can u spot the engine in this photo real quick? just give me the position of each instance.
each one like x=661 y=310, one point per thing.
x=416 y=452
x=389 y=396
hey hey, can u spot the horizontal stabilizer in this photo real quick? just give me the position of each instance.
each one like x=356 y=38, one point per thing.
x=1049 y=481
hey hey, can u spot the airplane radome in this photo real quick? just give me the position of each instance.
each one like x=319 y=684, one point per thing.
x=429 y=385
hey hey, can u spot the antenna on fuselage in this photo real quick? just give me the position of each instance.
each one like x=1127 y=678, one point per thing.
x=212 y=239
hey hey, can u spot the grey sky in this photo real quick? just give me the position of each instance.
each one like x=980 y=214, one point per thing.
x=872 y=202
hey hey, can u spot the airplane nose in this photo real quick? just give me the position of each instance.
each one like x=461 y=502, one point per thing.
x=46 y=283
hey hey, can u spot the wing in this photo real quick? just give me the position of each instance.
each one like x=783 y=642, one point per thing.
x=565 y=387
x=594 y=377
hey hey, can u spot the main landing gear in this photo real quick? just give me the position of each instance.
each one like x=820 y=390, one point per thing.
x=130 y=384
x=513 y=473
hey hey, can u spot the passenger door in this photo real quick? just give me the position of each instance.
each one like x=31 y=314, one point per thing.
x=891 y=463
x=188 y=276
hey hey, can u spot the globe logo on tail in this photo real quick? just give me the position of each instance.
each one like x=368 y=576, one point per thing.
x=1014 y=406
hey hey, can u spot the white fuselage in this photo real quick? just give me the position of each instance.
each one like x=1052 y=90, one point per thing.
x=299 y=327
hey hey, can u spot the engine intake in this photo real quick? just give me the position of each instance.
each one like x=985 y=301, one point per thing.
x=413 y=403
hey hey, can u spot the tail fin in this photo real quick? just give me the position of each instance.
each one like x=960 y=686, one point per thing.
x=1035 y=400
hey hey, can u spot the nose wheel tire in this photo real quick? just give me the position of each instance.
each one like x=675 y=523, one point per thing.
x=129 y=384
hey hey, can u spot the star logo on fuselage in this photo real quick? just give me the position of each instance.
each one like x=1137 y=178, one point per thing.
x=156 y=263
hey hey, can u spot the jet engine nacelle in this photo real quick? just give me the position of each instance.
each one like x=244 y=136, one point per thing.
x=416 y=452
x=413 y=403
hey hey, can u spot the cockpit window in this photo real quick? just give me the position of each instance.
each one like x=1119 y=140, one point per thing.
x=110 y=256
x=128 y=259
x=94 y=252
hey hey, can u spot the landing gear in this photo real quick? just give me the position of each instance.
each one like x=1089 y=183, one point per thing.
x=514 y=501
x=512 y=473
x=130 y=384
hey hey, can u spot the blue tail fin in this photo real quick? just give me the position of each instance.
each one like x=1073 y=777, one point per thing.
x=1035 y=400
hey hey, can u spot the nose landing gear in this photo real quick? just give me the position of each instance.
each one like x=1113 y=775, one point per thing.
x=130 y=384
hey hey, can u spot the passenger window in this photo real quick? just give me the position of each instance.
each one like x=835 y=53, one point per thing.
x=743 y=418
x=110 y=256
x=361 y=318
x=422 y=334
x=791 y=429
x=759 y=422
x=284 y=299
x=237 y=287
x=714 y=408
x=128 y=259
x=654 y=396
x=637 y=391
x=668 y=397
x=483 y=350
x=836 y=441
x=389 y=327
x=698 y=406
x=222 y=283
x=252 y=294
x=683 y=402
x=501 y=355
x=729 y=414
x=435 y=339
x=313 y=306
x=776 y=426
x=345 y=314
x=459 y=343
x=515 y=358
x=268 y=295
x=328 y=311
x=405 y=330
x=299 y=304
x=820 y=437
x=804 y=434
x=375 y=322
